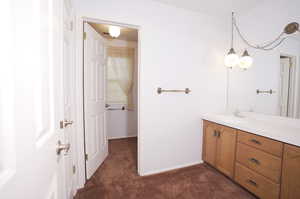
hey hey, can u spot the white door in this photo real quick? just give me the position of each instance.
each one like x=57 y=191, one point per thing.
x=285 y=86
x=94 y=100
x=69 y=104
x=32 y=108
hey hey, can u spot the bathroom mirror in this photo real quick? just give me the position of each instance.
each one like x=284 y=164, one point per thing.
x=271 y=86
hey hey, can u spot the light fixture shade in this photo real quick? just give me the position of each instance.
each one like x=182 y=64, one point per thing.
x=231 y=59
x=114 y=31
x=246 y=61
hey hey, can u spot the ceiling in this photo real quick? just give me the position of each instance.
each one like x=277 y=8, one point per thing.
x=128 y=34
x=215 y=7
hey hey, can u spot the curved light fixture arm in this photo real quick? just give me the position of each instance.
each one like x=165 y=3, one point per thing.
x=289 y=29
x=232 y=27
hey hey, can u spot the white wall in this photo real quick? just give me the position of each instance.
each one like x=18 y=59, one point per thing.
x=178 y=49
x=263 y=24
x=7 y=93
x=121 y=124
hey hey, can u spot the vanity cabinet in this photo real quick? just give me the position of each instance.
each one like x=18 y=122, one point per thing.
x=219 y=147
x=268 y=168
x=259 y=161
x=264 y=144
x=290 y=188
x=258 y=165
x=210 y=142
x=256 y=183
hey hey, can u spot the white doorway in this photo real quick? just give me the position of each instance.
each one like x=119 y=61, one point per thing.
x=99 y=112
x=289 y=90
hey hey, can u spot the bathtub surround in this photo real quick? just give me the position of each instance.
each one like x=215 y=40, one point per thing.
x=121 y=123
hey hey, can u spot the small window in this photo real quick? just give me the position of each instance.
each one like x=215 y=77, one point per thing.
x=120 y=70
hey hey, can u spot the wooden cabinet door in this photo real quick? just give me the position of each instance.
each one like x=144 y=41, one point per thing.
x=209 y=143
x=226 y=145
x=290 y=185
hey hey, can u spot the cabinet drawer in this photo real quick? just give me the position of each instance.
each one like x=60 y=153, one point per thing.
x=259 y=161
x=261 y=143
x=290 y=184
x=255 y=183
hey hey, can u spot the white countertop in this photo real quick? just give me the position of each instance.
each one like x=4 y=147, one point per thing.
x=278 y=128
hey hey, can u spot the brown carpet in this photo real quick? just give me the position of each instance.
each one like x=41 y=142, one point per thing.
x=117 y=178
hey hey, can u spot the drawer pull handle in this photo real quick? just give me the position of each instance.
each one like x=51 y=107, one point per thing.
x=255 y=141
x=252 y=182
x=254 y=160
x=215 y=133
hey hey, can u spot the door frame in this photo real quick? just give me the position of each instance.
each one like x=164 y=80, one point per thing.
x=296 y=98
x=79 y=64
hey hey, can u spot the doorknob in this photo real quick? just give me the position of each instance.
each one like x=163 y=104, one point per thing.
x=62 y=147
x=65 y=123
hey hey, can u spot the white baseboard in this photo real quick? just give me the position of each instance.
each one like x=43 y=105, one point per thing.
x=170 y=168
x=122 y=137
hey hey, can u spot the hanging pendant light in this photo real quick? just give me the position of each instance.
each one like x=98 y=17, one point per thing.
x=231 y=59
x=246 y=61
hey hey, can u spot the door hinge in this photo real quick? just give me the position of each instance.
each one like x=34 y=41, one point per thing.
x=84 y=35
x=74 y=169
x=86 y=157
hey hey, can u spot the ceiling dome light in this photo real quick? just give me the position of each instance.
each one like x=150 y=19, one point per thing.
x=114 y=31
x=246 y=61
x=231 y=59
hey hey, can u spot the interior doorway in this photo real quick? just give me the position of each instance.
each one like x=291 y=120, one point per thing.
x=289 y=90
x=110 y=89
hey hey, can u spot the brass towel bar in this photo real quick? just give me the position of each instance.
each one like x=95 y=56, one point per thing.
x=115 y=109
x=109 y=108
x=186 y=91
x=269 y=91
